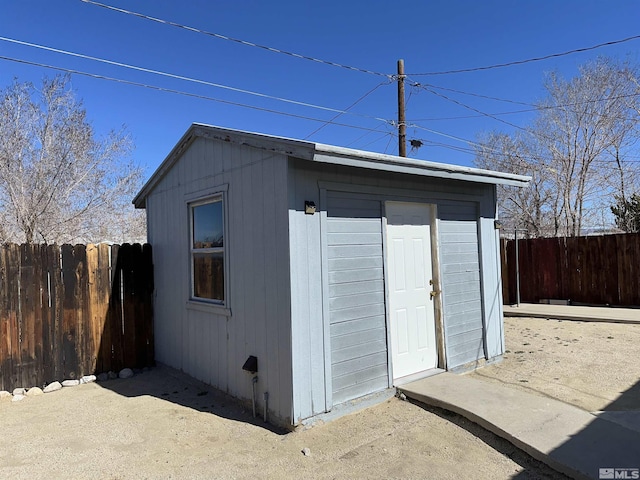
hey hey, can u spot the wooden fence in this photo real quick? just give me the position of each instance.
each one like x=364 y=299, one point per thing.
x=598 y=270
x=68 y=311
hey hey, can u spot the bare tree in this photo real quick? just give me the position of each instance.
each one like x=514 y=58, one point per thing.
x=519 y=207
x=58 y=181
x=574 y=149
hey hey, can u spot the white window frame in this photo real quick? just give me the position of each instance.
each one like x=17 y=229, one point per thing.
x=196 y=200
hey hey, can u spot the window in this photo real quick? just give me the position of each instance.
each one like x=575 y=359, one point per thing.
x=208 y=250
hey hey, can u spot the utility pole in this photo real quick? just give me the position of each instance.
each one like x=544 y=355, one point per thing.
x=402 y=126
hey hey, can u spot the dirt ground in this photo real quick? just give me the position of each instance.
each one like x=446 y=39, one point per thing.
x=161 y=424
x=591 y=365
x=164 y=425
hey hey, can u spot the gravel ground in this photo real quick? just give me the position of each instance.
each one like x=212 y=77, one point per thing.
x=592 y=365
x=164 y=425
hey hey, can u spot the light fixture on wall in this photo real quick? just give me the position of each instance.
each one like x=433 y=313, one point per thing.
x=251 y=365
x=497 y=224
x=309 y=207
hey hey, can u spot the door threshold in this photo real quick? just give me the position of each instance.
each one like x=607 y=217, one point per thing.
x=417 y=376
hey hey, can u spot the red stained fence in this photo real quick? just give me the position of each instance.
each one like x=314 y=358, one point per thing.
x=68 y=311
x=601 y=270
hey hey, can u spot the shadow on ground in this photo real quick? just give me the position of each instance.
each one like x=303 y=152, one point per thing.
x=532 y=468
x=628 y=400
x=170 y=385
x=597 y=434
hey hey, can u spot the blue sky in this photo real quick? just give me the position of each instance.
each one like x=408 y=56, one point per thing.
x=372 y=35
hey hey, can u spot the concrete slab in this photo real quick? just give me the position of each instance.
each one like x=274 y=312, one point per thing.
x=564 y=437
x=574 y=312
x=629 y=420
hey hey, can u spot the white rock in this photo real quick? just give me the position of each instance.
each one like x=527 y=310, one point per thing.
x=126 y=373
x=34 y=392
x=5 y=395
x=52 y=387
x=17 y=398
x=306 y=451
x=19 y=391
x=70 y=383
x=88 y=379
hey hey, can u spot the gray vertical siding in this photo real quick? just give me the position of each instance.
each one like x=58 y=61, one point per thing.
x=307 y=329
x=316 y=361
x=461 y=287
x=358 y=334
x=306 y=292
x=491 y=283
x=207 y=344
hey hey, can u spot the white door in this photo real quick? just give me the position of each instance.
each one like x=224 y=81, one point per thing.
x=412 y=322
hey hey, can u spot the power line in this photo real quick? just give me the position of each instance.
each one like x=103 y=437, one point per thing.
x=512 y=112
x=529 y=60
x=346 y=109
x=178 y=92
x=464 y=117
x=181 y=77
x=545 y=161
x=475 y=109
x=498 y=99
x=377 y=129
x=442 y=134
x=391 y=134
x=236 y=40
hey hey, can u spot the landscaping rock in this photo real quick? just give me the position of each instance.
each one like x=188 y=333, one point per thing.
x=70 y=383
x=126 y=373
x=5 y=395
x=52 y=387
x=34 y=392
x=19 y=391
x=103 y=377
x=88 y=379
x=17 y=398
x=306 y=451
x=112 y=375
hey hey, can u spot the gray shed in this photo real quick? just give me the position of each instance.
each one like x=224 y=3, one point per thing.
x=344 y=272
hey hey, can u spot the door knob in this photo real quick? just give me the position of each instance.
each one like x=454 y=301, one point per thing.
x=433 y=293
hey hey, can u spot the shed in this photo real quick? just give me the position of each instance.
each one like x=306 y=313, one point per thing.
x=344 y=272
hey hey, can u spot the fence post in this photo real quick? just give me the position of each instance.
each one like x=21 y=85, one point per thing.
x=515 y=236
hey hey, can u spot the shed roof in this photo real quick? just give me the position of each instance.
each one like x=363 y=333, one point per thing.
x=318 y=152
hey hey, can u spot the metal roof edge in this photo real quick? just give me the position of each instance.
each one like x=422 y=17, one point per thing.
x=379 y=161
x=140 y=199
x=286 y=146
x=323 y=153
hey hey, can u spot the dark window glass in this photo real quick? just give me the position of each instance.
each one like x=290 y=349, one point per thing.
x=208 y=225
x=208 y=275
x=207 y=250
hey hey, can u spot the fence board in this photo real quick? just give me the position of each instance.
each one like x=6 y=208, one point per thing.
x=146 y=281
x=13 y=278
x=6 y=363
x=63 y=313
x=115 y=315
x=48 y=311
x=28 y=335
x=599 y=270
x=128 y=302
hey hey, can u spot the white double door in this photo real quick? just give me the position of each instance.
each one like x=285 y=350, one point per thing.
x=411 y=305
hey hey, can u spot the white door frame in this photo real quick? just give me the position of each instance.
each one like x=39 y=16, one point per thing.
x=436 y=287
